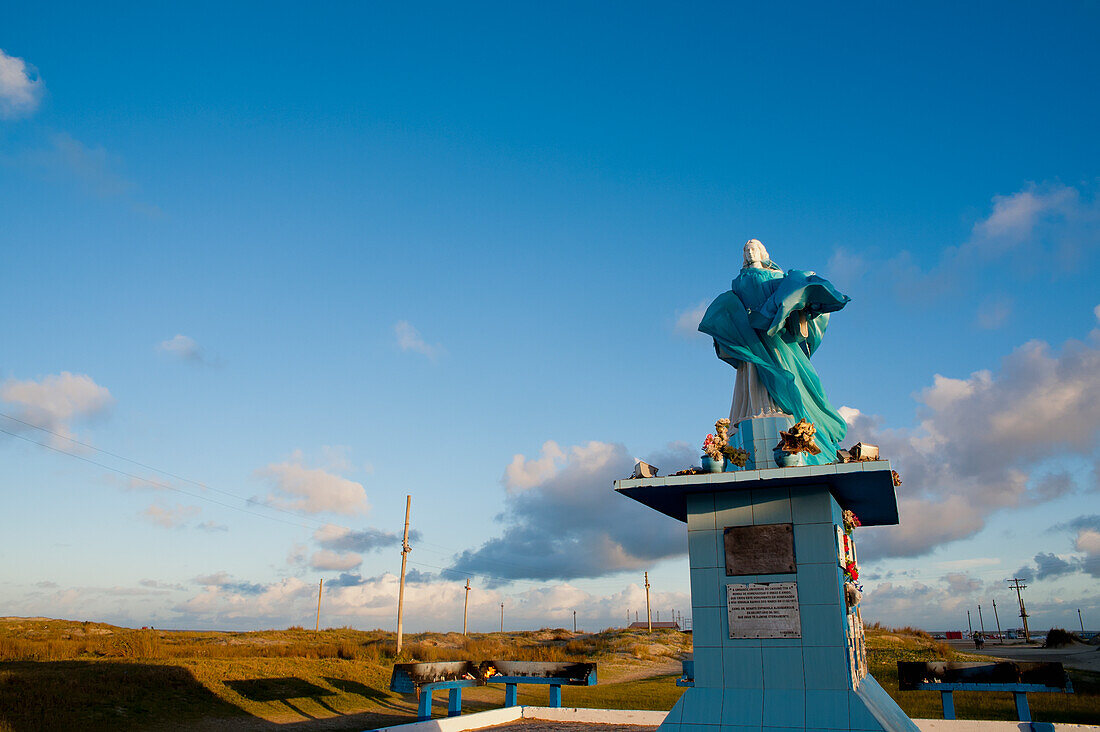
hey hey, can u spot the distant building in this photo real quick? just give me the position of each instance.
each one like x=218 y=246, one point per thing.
x=644 y=625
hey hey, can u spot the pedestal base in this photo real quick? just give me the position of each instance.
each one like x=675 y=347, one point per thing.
x=867 y=709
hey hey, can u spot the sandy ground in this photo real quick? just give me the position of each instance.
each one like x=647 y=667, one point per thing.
x=1078 y=656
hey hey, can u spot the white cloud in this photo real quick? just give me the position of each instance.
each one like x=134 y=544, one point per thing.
x=522 y=473
x=55 y=401
x=849 y=414
x=982 y=441
x=409 y=339
x=182 y=347
x=170 y=517
x=1014 y=217
x=329 y=560
x=20 y=88
x=211 y=526
x=687 y=321
x=312 y=490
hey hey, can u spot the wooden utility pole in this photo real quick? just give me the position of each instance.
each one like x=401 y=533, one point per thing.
x=575 y=619
x=1080 y=621
x=969 y=624
x=319 y=588
x=465 y=606
x=998 y=619
x=1023 y=611
x=502 y=617
x=648 y=618
x=981 y=620
x=405 y=549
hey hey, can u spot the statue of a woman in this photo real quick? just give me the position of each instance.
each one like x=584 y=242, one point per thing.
x=767 y=326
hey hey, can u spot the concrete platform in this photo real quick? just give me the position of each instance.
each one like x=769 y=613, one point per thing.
x=596 y=719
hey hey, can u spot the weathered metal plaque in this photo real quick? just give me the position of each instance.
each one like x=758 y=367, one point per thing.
x=764 y=610
x=764 y=549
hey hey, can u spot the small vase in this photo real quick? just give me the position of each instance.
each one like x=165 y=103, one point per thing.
x=786 y=459
x=710 y=465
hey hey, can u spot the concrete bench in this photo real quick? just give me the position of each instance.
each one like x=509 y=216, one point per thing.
x=454 y=676
x=1010 y=676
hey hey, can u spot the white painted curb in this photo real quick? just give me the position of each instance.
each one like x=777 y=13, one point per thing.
x=493 y=717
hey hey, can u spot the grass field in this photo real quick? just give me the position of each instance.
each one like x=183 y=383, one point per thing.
x=57 y=674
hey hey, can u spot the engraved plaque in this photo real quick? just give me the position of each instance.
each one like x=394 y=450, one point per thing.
x=764 y=610
x=765 y=549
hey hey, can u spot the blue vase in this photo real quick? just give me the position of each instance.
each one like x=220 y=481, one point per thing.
x=786 y=459
x=710 y=465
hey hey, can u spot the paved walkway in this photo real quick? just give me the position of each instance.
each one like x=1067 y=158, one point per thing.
x=1078 y=656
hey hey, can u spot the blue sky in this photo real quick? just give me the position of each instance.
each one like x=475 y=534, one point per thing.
x=320 y=260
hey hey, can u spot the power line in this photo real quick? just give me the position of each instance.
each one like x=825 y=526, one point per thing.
x=204 y=486
x=154 y=482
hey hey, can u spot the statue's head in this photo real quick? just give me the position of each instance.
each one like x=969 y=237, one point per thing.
x=755 y=253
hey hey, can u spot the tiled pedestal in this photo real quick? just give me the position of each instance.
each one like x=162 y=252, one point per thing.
x=772 y=684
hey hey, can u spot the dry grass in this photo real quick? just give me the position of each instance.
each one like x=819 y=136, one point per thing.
x=70 y=675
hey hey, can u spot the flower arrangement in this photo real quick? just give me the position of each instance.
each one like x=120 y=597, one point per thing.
x=799 y=438
x=851 y=521
x=718 y=448
x=736 y=455
x=712 y=447
x=851 y=572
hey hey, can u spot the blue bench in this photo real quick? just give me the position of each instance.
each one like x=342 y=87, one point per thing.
x=1017 y=678
x=454 y=676
x=688 y=676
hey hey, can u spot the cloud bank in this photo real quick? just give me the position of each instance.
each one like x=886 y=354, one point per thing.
x=563 y=521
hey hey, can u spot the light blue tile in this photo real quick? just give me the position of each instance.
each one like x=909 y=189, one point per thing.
x=784 y=707
x=849 y=468
x=743 y=708
x=811 y=505
x=838 y=513
x=859 y=716
x=818 y=584
x=700 y=511
x=826 y=667
x=685 y=727
x=708 y=667
x=822 y=625
x=826 y=709
x=771 y=506
x=813 y=543
x=791 y=577
x=733 y=508
x=708 y=626
x=675 y=714
x=703 y=548
x=782 y=729
x=740 y=728
x=708 y=587
x=702 y=706
x=782 y=668
x=742 y=668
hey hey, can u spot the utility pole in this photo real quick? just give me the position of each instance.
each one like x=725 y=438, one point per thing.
x=319 y=588
x=502 y=617
x=574 y=621
x=999 y=633
x=1080 y=621
x=405 y=549
x=465 y=606
x=1023 y=611
x=980 y=620
x=648 y=619
x=969 y=624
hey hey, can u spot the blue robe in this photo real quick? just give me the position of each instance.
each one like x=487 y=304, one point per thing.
x=749 y=324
